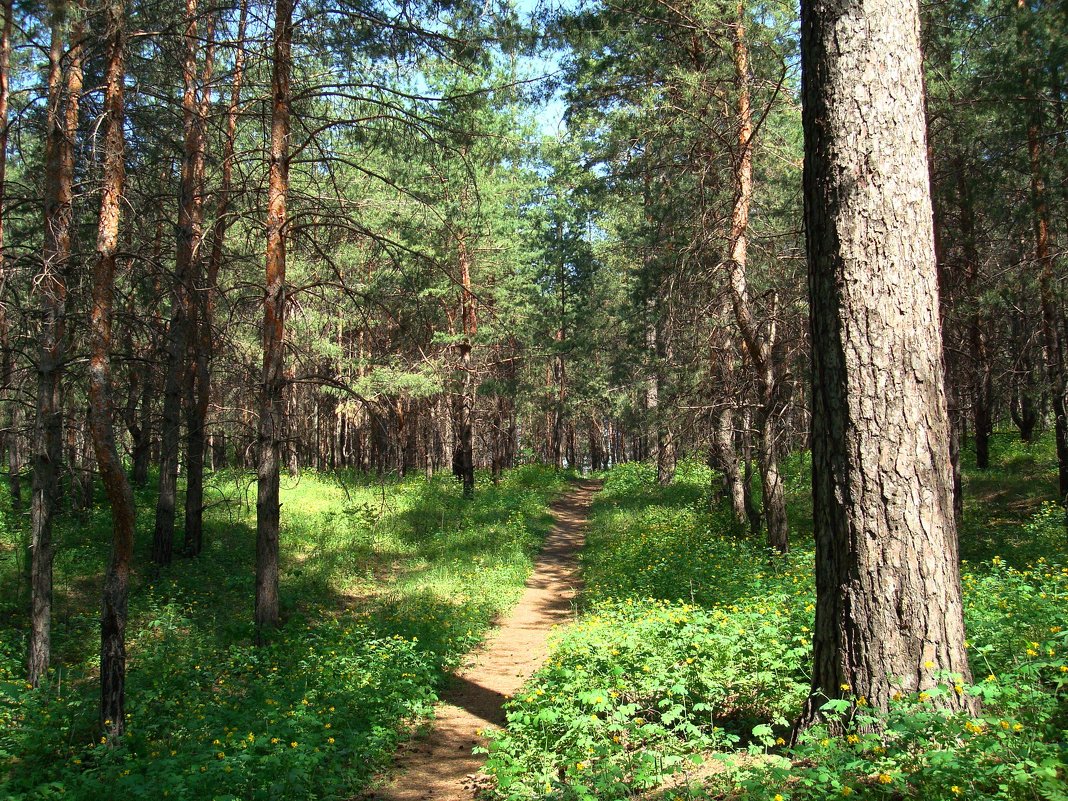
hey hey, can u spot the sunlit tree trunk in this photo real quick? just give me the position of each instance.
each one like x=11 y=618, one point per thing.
x=759 y=345
x=888 y=613
x=101 y=419
x=271 y=409
x=51 y=289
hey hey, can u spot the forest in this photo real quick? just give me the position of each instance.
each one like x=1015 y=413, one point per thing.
x=576 y=400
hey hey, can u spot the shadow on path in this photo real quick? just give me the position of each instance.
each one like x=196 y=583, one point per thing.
x=439 y=765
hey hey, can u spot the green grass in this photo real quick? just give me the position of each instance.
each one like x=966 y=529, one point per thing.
x=696 y=643
x=384 y=587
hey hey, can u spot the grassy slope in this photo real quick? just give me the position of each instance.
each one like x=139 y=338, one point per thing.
x=384 y=586
x=696 y=642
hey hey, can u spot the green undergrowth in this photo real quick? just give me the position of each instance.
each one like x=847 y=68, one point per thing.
x=384 y=587
x=691 y=660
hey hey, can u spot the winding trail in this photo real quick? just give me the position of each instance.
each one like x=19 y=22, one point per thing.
x=438 y=765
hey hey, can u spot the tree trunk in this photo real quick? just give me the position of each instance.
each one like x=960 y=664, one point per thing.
x=51 y=288
x=271 y=422
x=759 y=346
x=726 y=460
x=120 y=498
x=187 y=255
x=888 y=611
x=1022 y=406
x=198 y=369
x=6 y=355
x=1051 y=332
x=982 y=371
x=467 y=390
x=142 y=431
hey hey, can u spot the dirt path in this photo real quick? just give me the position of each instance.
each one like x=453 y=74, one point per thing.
x=438 y=765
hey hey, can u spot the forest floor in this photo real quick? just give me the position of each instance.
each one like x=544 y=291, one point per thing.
x=439 y=764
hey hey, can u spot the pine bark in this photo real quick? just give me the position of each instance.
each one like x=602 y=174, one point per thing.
x=272 y=405
x=51 y=289
x=113 y=614
x=888 y=611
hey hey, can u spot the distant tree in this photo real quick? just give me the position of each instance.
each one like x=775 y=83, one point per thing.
x=888 y=614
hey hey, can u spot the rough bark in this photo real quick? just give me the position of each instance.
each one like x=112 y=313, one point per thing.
x=101 y=419
x=888 y=611
x=51 y=289
x=272 y=405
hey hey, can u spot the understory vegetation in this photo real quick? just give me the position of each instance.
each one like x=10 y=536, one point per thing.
x=385 y=585
x=691 y=661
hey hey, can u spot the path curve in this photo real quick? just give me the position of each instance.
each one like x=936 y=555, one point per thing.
x=439 y=765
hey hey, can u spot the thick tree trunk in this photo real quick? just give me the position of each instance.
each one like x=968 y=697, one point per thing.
x=759 y=346
x=120 y=498
x=888 y=611
x=51 y=288
x=272 y=406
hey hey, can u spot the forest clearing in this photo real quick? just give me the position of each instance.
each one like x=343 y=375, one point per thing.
x=581 y=400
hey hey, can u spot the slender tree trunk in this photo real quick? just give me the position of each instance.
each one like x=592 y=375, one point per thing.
x=467 y=378
x=116 y=581
x=888 y=611
x=51 y=289
x=1051 y=331
x=198 y=370
x=982 y=371
x=726 y=460
x=190 y=235
x=7 y=356
x=945 y=303
x=271 y=422
x=652 y=436
x=1022 y=405
x=759 y=346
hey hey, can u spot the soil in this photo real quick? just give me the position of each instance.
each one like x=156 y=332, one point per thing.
x=437 y=764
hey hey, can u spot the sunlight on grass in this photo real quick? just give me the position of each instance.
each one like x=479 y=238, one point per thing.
x=694 y=652
x=384 y=587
